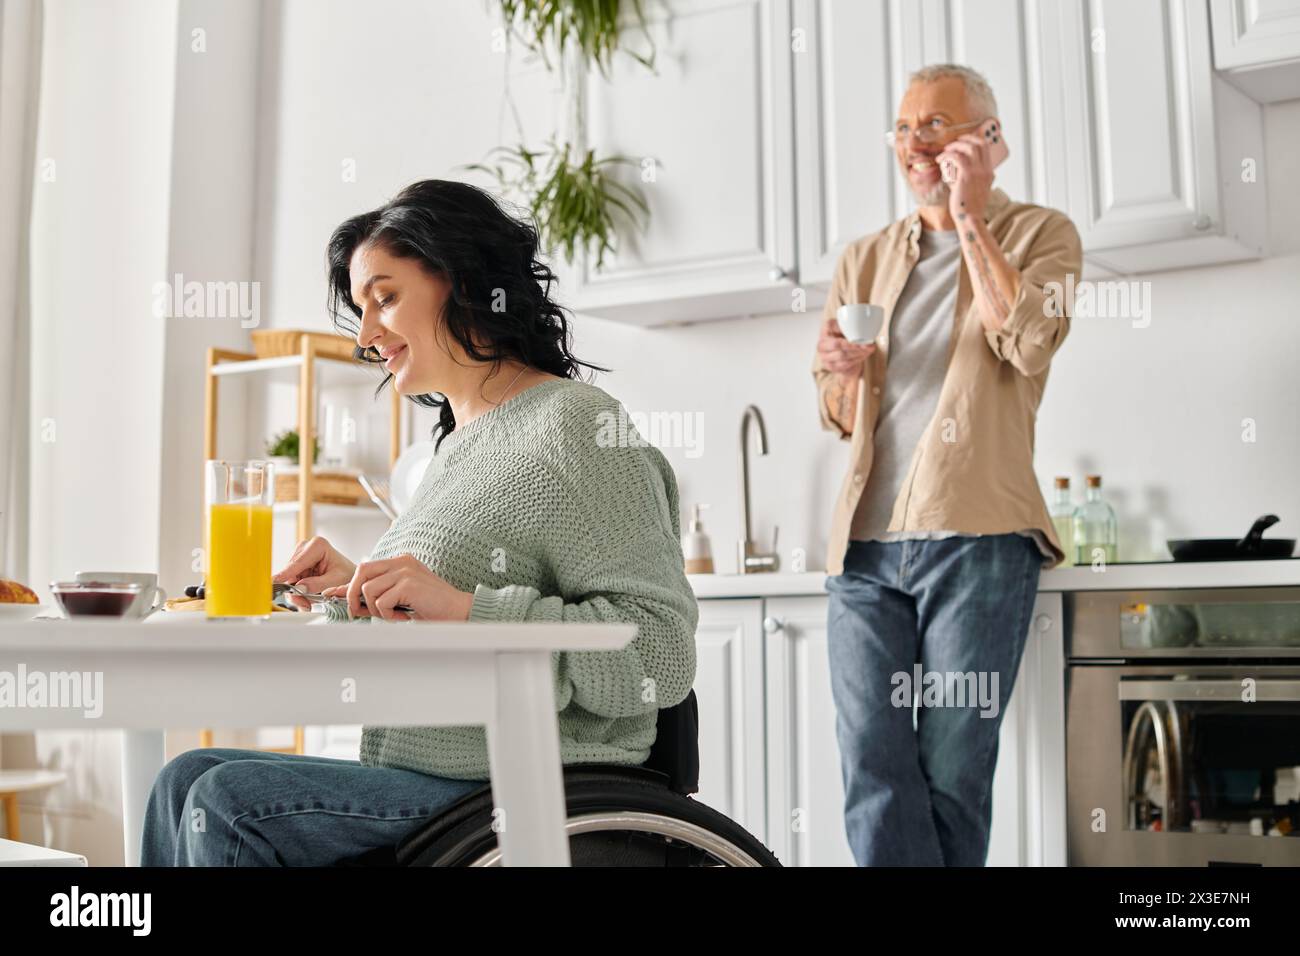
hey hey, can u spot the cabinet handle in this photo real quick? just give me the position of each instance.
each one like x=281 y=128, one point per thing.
x=1043 y=622
x=773 y=624
x=780 y=275
x=1202 y=223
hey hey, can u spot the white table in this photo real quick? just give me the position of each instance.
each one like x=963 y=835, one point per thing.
x=191 y=672
x=13 y=853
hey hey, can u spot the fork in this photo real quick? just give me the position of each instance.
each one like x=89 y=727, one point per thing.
x=281 y=587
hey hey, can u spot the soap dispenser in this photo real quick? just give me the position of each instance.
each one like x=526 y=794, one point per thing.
x=695 y=546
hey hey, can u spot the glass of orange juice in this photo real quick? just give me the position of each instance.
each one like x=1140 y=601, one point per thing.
x=238 y=497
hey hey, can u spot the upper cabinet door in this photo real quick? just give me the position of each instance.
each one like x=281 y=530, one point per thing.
x=1257 y=45
x=717 y=122
x=989 y=36
x=849 y=78
x=844 y=104
x=1152 y=143
x=1138 y=115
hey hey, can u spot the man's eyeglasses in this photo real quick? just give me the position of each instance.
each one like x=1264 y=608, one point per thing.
x=935 y=131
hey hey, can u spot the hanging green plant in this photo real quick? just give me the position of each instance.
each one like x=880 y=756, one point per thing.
x=573 y=195
x=578 y=205
x=547 y=27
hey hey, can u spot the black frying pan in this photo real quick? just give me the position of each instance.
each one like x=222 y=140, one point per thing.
x=1252 y=547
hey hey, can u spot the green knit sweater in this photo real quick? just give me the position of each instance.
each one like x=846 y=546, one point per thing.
x=540 y=510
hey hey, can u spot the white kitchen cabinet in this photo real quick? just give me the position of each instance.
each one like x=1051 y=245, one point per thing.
x=1161 y=160
x=848 y=83
x=1113 y=115
x=1029 y=783
x=844 y=103
x=769 y=757
x=717 y=123
x=1257 y=46
x=805 y=790
x=729 y=691
x=1112 y=109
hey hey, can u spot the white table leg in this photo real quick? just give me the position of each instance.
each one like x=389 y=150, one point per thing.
x=524 y=759
x=143 y=755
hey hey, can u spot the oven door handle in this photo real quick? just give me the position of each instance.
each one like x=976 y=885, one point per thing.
x=1155 y=719
x=1265 y=689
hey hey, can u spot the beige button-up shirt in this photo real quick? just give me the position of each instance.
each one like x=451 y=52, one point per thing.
x=973 y=469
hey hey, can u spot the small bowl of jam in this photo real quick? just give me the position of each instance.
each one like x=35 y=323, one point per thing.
x=94 y=598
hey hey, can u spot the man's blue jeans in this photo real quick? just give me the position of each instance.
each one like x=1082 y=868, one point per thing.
x=921 y=796
x=221 y=807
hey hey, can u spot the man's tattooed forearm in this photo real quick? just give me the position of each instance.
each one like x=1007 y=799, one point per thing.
x=844 y=402
x=987 y=281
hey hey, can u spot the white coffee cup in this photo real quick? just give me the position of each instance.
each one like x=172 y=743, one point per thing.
x=150 y=598
x=860 y=322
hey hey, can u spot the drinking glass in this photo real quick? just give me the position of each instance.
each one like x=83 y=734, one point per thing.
x=238 y=497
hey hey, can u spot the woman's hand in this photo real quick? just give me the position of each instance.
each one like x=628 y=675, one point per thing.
x=403 y=580
x=315 y=565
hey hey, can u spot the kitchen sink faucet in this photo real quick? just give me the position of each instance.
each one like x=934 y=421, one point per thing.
x=748 y=559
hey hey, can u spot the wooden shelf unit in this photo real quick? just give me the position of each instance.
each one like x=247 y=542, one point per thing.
x=303 y=367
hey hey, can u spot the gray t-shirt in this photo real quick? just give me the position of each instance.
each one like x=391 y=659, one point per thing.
x=920 y=335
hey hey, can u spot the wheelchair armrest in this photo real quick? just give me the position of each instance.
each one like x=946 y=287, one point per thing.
x=676 y=750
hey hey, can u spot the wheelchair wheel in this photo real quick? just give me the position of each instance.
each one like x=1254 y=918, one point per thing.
x=613 y=820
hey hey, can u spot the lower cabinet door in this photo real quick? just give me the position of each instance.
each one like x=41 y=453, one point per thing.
x=1029 y=783
x=805 y=819
x=805 y=790
x=729 y=690
x=773 y=765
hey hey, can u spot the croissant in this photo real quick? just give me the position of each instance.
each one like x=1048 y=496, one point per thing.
x=11 y=592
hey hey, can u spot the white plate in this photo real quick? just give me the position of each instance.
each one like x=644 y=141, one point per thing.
x=24 y=612
x=278 y=619
x=409 y=472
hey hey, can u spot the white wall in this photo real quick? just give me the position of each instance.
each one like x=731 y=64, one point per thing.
x=361 y=99
x=213 y=193
x=99 y=243
x=1157 y=411
x=152 y=130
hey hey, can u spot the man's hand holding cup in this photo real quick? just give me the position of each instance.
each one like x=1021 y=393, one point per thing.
x=848 y=339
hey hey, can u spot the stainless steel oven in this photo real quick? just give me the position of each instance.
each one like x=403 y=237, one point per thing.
x=1183 y=727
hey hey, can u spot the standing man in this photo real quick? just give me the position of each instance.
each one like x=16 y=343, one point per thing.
x=940 y=528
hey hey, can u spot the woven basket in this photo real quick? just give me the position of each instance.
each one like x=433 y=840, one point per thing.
x=275 y=343
x=327 y=487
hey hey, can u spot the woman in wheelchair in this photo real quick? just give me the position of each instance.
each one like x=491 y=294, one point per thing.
x=537 y=506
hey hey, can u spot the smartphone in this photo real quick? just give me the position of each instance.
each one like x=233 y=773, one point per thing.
x=991 y=131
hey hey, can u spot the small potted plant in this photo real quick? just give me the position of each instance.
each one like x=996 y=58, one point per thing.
x=283 y=449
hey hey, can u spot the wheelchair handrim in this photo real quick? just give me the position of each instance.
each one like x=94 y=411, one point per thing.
x=723 y=850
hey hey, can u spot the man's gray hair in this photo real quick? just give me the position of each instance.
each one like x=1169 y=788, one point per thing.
x=978 y=91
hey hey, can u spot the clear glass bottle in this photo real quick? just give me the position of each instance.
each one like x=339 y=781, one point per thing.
x=1095 y=526
x=1062 y=512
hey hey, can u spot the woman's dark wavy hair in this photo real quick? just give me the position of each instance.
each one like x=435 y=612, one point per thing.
x=490 y=257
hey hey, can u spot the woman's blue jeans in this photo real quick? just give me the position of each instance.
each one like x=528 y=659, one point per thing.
x=919 y=793
x=222 y=807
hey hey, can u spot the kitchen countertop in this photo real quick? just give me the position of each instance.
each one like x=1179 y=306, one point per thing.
x=1116 y=577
